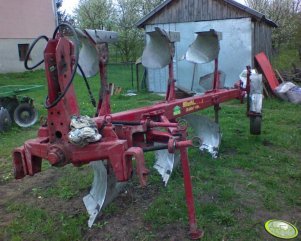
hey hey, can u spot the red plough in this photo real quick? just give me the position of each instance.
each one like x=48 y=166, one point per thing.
x=114 y=141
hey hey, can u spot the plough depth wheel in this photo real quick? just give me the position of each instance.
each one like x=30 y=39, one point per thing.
x=255 y=125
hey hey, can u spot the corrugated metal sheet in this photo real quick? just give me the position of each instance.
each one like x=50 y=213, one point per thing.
x=235 y=54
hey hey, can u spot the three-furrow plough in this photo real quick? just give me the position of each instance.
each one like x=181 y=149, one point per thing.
x=112 y=142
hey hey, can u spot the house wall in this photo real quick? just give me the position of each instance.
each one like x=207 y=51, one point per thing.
x=235 y=53
x=9 y=54
x=26 y=19
x=20 y=23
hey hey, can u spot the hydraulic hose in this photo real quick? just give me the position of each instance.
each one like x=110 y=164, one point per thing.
x=27 y=57
x=76 y=44
x=92 y=99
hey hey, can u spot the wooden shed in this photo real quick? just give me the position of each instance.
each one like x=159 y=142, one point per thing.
x=245 y=31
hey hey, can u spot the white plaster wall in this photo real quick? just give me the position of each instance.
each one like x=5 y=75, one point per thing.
x=9 y=54
x=26 y=18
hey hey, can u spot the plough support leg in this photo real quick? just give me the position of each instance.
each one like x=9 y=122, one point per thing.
x=194 y=232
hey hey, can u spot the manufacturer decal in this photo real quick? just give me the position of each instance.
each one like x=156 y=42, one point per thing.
x=188 y=103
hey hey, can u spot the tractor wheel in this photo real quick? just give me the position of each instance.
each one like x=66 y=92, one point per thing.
x=5 y=120
x=25 y=115
x=255 y=125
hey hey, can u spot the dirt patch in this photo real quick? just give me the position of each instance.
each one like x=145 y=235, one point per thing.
x=239 y=132
x=228 y=152
x=241 y=172
x=207 y=198
x=5 y=173
x=173 y=232
x=267 y=143
x=19 y=191
x=125 y=222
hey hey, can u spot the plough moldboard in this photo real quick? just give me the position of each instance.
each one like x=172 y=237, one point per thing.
x=111 y=142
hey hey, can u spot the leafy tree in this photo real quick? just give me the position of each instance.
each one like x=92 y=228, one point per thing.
x=120 y=16
x=59 y=13
x=298 y=36
x=129 y=44
x=284 y=13
x=131 y=39
x=95 y=14
x=62 y=16
x=147 y=6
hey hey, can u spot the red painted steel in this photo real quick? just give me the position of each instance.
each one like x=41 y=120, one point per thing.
x=267 y=70
x=124 y=135
x=170 y=93
x=194 y=232
x=104 y=101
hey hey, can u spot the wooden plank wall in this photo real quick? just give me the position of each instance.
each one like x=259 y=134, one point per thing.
x=180 y=11
x=262 y=39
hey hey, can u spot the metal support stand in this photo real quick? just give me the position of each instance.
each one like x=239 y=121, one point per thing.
x=194 y=232
x=104 y=107
x=217 y=108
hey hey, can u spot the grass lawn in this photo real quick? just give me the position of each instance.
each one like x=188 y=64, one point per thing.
x=255 y=178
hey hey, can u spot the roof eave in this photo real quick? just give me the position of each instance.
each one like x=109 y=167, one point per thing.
x=270 y=22
x=141 y=22
x=256 y=14
x=253 y=12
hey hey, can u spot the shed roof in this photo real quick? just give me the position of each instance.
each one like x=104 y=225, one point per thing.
x=261 y=17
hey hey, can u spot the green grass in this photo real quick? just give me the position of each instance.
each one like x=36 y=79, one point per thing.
x=285 y=58
x=255 y=178
x=33 y=223
x=70 y=183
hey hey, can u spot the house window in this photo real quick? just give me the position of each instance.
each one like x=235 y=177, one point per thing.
x=23 y=48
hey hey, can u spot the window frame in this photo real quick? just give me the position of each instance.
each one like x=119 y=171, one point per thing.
x=22 y=50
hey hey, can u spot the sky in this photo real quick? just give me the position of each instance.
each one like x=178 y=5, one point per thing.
x=69 y=5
